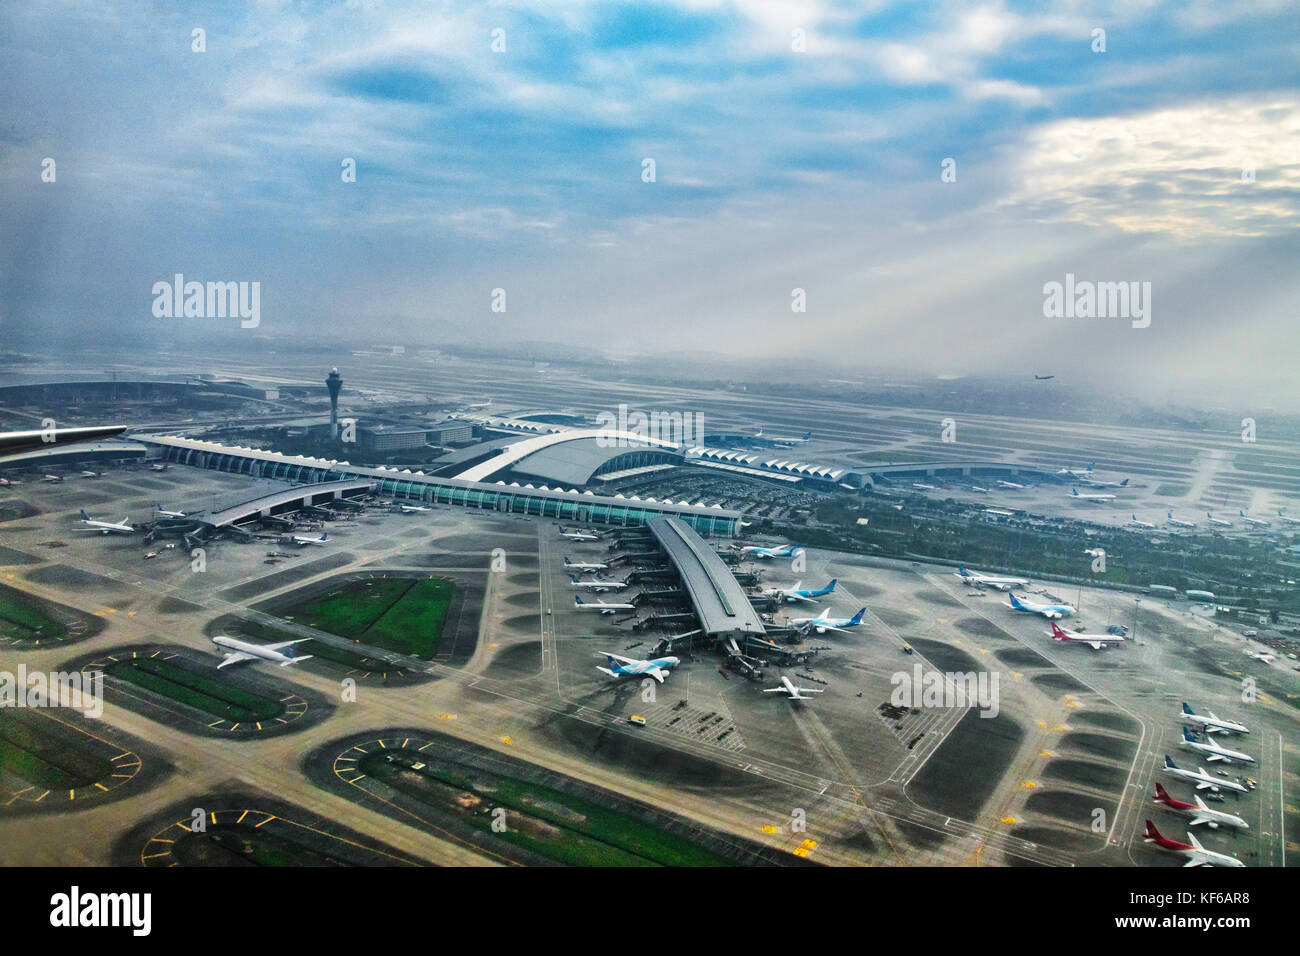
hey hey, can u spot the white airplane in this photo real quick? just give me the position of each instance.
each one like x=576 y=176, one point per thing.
x=1200 y=812
x=302 y=541
x=1013 y=485
x=579 y=535
x=93 y=474
x=1136 y=523
x=1196 y=854
x=1098 y=483
x=1213 y=751
x=807 y=436
x=1002 y=584
x=790 y=691
x=1049 y=611
x=53 y=479
x=821 y=623
x=1218 y=521
x=1203 y=779
x=1262 y=657
x=164 y=513
x=799 y=593
x=1287 y=518
x=631 y=667
x=105 y=527
x=584 y=565
x=1074 y=493
x=5 y=482
x=785 y=551
x=1212 y=724
x=1083 y=473
x=1256 y=522
x=1179 y=522
x=979 y=488
x=1095 y=641
x=412 y=509
x=601 y=606
x=598 y=586
x=157 y=467
x=244 y=651
x=923 y=486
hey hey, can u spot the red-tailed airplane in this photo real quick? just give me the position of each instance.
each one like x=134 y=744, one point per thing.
x=1196 y=854
x=1199 y=812
x=1095 y=641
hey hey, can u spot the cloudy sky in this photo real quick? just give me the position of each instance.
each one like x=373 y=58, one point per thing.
x=795 y=145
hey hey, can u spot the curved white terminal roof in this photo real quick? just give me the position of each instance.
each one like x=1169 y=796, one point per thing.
x=609 y=438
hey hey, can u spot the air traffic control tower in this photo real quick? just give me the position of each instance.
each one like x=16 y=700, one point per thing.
x=334 y=382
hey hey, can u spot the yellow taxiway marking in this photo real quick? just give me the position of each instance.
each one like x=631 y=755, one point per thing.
x=492 y=647
x=382 y=746
x=154 y=856
x=1062 y=727
x=1029 y=784
x=446 y=716
x=214 y=816
x=102 y=787
x=1043 y=724
x=41 y=797
x=72 y=795
x=508 y=741
x=241 y=817
x=1046 y=753
x=405 y=742
x=266 y=821
x=1008 y=819
x=768 y=828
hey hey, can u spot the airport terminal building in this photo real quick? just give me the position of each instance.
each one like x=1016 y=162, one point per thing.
x=513 y=497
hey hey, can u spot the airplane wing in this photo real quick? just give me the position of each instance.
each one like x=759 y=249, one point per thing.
x=236 y=657
x=657 y=674
x=773 y=690
x=297 y=660
x=1197 y=820
x=618 y=657
x=798 y=597
x=283 y=644
x=808 y=690
x=829 y=628
x=1096 y=645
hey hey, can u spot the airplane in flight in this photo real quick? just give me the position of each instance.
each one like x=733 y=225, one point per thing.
x=584 y=565
x=1196 y=854
x=1013 y=485
x=579 y=535
x=798 y=593
x=1095 y=641
x=302 y=541
x=1256 y=522
x=1287 y=519
x=598 y=586
x=105 y=527
x=1043 y=378
x=412 y=509
x=241 y=651
x=821 y=623
x=790 y=691
x=1049 y=611
x=1200 y=812
x=1213 y=751
x=631 y=667
x=53 y=479
x=1179 y=522
x=1212 y=724
x=601 y=606
x=1136 y=523
x=1218 y=521
x=1002 y=584
x=785 y=551
x=164 y=513
x=1203 y=779
x=1074 y=493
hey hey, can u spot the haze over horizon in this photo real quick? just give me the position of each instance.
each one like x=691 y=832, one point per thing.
x=775 y=170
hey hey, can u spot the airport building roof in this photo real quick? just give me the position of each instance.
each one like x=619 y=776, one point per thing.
x=719 y=601
x=275 y=502
x=570 y=457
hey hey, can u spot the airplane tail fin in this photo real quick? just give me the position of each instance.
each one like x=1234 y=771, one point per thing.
x=807 y=436
x=1124 y=483
x=1187 y=736
x=84 y=516
x=831 y=587
x=1152 y=834
x=1169 y=763
x=857 y=618
x=1187 y=709
x=578 y=600
x=1015 y=602
x=1162 y=795
x=567 y=562
x=1057 y=633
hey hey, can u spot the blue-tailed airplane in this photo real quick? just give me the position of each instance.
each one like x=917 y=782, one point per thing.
x=1255 y=522
x=631 y=667
x=1049 y=611
x=796 y=593
x=975 y=578
x=1212 y=724
x=1213 y=751
x=821 y=623
x=786 y=551
x=1202 y=779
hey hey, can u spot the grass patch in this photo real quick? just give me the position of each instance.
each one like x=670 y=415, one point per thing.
x=48 y=756
x=405 y=615
x=208 y=694
x=559 y=826
x=26 y=617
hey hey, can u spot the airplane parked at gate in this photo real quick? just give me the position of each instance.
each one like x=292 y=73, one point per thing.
x=785 y=551
x=1200 y=812
x=1196 y=854
x=584 y=565
x=1255 y=522
x=797 y=593
x=821 y=623
x=164 y=513
x=302 y=541
x=1218 y=521
x=1202 y=779
x=601 y=606
x=1213 y=751
x=579 y=535
x=1212 y=724
x=598 y=586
